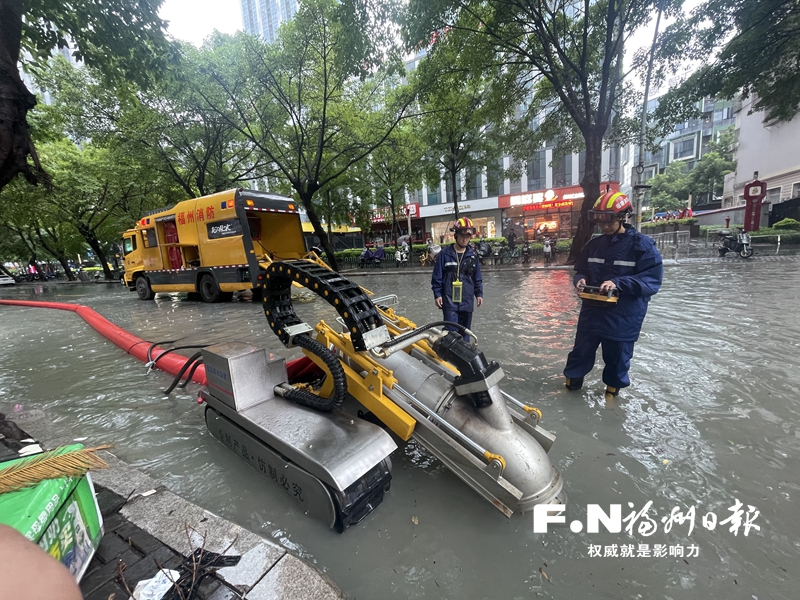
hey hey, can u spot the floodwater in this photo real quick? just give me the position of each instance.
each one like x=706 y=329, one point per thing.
x=712 y=418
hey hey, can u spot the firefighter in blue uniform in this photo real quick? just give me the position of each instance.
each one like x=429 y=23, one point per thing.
x=456 y=281
x=621 y=259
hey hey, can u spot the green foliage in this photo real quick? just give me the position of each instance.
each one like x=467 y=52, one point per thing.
x=567 y=58
x=761 y=58
x=467 y=116
x=671 y=189
x=298 y=104
x=124 y=40
x=787 y=224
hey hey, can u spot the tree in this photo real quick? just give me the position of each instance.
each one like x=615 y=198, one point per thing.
x=569 y=55
x=392 y=169
x=761 y=58
x=467 y=116
x=671 y=188
x=118 y=37
x=306 y=103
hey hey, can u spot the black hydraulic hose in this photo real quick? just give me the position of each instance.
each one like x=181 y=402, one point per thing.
x=186 y=381
x=337 y=372
x=185 y=366
x=154 y=344
x=153 y=362
x=400 y=339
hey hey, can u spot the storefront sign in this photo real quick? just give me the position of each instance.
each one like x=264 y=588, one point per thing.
x=547 y=205
x=384 y=215
x=461 y=207
x=540 y=200
x=549 y=199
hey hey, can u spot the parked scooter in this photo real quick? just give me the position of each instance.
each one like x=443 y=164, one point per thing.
x=548 y=250
x=401 y=256
x=526 y=252
x=484 y=251
x=739 y=244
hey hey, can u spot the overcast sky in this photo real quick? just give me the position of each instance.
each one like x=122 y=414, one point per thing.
x=194 y=20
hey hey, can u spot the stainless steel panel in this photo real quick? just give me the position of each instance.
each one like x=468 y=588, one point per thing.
x=335 y=447
x=302 y=487
x=241 y=375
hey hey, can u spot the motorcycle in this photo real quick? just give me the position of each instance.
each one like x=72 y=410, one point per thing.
x=484 y=251
x=739 y=244
x=428 y=257
x=401 y=256
x=548 y=250
x=526 y=253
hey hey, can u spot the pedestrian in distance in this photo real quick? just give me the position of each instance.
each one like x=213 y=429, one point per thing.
x=456 y=281
x=627 y=264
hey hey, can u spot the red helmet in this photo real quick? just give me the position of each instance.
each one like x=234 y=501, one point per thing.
x=464 y=226
x=611 y=206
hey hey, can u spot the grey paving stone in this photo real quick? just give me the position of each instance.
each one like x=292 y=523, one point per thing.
x=111 y=546
x=292 y=579
x=185 y=527
x=121 y=478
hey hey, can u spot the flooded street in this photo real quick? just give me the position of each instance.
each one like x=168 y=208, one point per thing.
x=712 y=418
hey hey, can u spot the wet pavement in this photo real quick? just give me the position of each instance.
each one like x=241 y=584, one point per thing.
x=710 y=423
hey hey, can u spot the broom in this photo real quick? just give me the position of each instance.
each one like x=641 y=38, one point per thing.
x=66 y=461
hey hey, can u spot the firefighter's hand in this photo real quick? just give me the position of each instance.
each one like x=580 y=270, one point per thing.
x=439 y=302
x=479 y=300
x=580 y=284
x=607 y=286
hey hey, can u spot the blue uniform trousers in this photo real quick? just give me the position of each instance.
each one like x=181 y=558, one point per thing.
x=616 y=355
x=461 y=317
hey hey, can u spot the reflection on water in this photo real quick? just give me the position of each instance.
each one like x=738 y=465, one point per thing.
x=712 y=416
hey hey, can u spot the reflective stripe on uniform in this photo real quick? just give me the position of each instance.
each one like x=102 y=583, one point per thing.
x=625 y=263
x=598 y=260
x=451 y=264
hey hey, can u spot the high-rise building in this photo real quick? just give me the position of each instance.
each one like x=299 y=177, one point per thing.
x=263 y=17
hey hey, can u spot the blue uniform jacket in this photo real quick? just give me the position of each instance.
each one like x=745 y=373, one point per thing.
x=469 y=273
x=633 y=263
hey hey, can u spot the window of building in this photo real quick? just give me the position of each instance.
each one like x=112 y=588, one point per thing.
x=683 y=148
x=474 y=184
x=773 y=195
x=562 y=171
x=537 y=172
x=581 y=165
x=796 y=190
x=613 y=163
x=435 y=193
x=516 y=186
x=494 y=179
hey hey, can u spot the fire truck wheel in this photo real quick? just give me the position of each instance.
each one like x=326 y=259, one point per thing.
x=208 y=289
x=143 y=288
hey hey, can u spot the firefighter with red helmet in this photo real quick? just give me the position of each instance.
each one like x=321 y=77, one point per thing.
x=456 y=282
x=624 y=260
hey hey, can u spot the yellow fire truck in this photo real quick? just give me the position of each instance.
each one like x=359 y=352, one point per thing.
x=211 y=246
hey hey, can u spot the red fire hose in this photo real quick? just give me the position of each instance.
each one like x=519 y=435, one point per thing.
x=137 y=347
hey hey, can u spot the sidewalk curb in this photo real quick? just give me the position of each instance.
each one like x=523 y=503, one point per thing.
x=266 y=570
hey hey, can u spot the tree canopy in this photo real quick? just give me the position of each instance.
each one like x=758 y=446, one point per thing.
x=568 y=55
x=123 y=39
x=743 y=46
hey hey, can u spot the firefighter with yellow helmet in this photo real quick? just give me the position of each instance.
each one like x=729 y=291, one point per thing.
x=622 y=262
x=456 y=282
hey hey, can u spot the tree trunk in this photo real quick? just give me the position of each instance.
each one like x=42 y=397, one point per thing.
x=591 y=190
x=97 y=248
x=65 y=264
x=305 y=198
x=453 y=174
x=15 y=99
